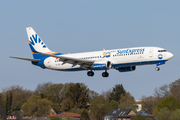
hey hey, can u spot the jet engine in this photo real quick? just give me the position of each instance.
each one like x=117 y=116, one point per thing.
x=101 y=65
x=126 y=69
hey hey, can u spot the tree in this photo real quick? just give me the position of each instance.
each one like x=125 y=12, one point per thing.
x=7 y=105
x=139 y=117
x=77 y=96
x=164 y=114
x=84 y=115
x=114 y=104
x=176 y=83
x=55 y=93
x=175 y=89
x=92 y=95
x=106 y=94
x=116 y=92
x=17 y=96
x=170 y=102
x=162 y=92
x=55 y=118
x=99 y=108
x=175 y=115
x=127 y=101
x=41 y=88
x=2 y=117
x=175 y=92
x=150 y=103
x=35 y=106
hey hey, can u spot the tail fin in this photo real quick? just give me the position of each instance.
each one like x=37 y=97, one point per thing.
x=37 y=45
x=35 y=42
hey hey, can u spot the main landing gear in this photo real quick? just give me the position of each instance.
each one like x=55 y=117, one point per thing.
x=90 y=73
x=104 y=74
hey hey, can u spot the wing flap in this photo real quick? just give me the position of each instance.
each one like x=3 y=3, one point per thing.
x=70 y=60
x=28 y=59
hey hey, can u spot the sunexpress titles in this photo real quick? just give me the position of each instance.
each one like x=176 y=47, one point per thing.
x=130 y=51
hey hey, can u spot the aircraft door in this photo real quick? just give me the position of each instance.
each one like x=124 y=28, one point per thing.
x=150 y=52
x=48 y=62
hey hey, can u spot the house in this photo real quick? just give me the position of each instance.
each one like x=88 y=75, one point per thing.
x=115 y=113
x=62 y=115
x=41 y=118
x=144 y=112
x=17 y=115
x=3 y=115
x=130 y=117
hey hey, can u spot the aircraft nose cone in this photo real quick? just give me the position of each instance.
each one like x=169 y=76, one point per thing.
x=170 y=55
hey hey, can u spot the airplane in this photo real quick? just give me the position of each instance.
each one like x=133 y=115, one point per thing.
x=123 y=60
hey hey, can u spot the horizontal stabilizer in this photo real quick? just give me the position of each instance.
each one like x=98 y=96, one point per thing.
x=34 y=60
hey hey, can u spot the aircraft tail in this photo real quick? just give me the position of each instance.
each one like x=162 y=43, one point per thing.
x=37 y=45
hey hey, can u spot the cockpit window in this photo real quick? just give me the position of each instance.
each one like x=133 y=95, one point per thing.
x=162 y=50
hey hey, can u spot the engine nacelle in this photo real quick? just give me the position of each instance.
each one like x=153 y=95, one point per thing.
x=126 y=69
x=101 y=65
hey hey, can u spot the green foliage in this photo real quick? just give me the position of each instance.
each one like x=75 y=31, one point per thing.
x=16 y=97
x=35 y=106
x=150 y=103
x=164 y=114
x=2 y=117
x=127 y=102
x=84 y=115
x=76 y=97
x=116 y=92
x=55 y=118
x=67 y=118
x=99 y=108
x=139 y=117
x=175 y=89
x=55 y=93
x=175 y=115
x=114 y=104
x=7 y=105
x=170 y=102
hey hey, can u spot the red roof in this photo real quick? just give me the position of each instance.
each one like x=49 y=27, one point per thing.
x=67 y=114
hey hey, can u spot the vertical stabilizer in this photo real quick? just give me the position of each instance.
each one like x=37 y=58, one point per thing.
x=35 y=42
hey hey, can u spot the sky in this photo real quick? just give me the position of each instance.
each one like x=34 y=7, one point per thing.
x=72 y=26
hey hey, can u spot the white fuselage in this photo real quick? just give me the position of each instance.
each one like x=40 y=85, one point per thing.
x=117 y=58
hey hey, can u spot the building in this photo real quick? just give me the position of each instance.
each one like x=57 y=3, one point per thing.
x=17 y=115
x=41 y=118
x=62 y=115
x=3 y=115
x=123 y=114
x=115 y=113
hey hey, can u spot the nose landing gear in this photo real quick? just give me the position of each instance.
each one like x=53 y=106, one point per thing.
x=157 y=68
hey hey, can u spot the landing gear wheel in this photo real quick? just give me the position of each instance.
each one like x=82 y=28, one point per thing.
x=90 y=73
x=105 y=74
x=157 y=68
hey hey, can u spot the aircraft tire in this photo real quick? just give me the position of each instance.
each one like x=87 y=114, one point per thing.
x=157 y=68
x=105 y=74
x=90 y=73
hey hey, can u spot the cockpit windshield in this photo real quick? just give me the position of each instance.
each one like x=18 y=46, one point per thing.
x=162 y=50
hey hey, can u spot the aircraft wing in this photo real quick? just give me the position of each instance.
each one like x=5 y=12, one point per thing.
x=34 y=60
x=74 y=61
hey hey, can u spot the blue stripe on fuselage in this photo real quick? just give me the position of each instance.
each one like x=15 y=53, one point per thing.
x=117 y=65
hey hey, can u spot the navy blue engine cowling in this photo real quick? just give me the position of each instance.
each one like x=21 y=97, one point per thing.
x=126 y=69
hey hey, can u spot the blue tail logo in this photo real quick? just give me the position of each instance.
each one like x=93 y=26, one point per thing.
x=35 y=39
